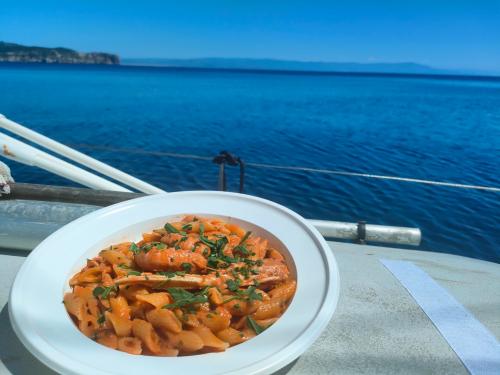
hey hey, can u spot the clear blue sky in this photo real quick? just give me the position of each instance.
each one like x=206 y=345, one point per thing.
x=440 y=33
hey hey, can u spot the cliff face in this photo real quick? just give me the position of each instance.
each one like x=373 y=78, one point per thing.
x=10 y=52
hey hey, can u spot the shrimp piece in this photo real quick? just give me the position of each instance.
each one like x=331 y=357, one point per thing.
x=257 y=246
x=170 y=260
x=272 y=271
x=170 y=238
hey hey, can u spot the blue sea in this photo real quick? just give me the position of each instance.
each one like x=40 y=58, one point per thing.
x=436 y=128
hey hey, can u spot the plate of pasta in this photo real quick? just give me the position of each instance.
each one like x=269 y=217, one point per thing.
x=180 y=282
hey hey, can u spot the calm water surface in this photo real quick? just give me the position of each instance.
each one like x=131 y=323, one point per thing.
x=428 y=128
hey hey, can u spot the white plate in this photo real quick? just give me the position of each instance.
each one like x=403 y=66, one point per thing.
x=43 y=325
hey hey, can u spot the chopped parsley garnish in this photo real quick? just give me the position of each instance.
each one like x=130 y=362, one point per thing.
x=245 y=237
x=170 y=228
x=253 y=324
x=206 y=241
x=134 y=248
x=146 y=247
x=186 y=267
x=104 y=292
x=220 y=244
x=250 y=294
x=241 y=248
x=170 y=275
x=101 y=319
x=182 y=298
x=233 y=285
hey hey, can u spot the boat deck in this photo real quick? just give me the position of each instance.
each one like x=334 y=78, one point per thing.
x=377 y=328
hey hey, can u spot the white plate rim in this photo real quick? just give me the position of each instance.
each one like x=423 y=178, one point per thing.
x=270 y=364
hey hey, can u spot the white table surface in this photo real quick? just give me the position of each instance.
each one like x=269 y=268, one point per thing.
x=377 y=328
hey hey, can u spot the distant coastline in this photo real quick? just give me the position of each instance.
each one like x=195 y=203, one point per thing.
x=287 y=65
x=12 y=52
x=17 y=53
x=452 y=75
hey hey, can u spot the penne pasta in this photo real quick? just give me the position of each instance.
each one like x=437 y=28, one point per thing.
x=121 y=325
x=155 y=299
x=164 y=318
x=131 y=345
x=231 y=336
x=197 y=285
x=210 y=341
x=145 y=332
x=186 y=341
x=120 y=307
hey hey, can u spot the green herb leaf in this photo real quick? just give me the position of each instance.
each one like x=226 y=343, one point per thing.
x=169 y=274
x=101 y=319
x=146 y=247
x=187 y=227
x=186 y=267
x=104 y=292
x=134 y=248
x=170 y=228
x=241 y=249
x=206 y=241
x=253 y=324
x=252 y=295
x=233 y=285
x=98 y=291
x=245 y=237
x=220 y=245
x=182 y=298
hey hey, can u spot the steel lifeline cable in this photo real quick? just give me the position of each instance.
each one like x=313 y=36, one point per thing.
x=294 y=168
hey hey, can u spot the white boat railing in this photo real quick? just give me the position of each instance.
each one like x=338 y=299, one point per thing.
x=77 y=157
x=25 y=154
x=25 y=222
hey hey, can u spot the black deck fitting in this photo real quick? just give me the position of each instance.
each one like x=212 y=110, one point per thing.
x=224 y=158
x=361 y=232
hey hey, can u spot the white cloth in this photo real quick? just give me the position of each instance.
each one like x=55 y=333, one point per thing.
x=5 y=179
x=476 y=347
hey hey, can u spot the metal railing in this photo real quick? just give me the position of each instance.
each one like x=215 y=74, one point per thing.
x=27 y=216
x=18 y=151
